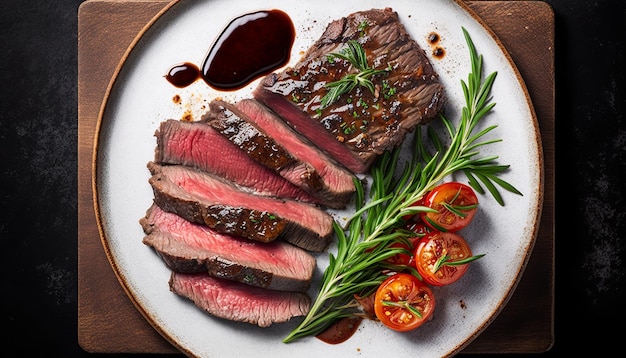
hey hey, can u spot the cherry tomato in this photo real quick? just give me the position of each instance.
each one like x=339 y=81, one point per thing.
x=455 y=203
x=414 y=218
x=418 y=227
x=436 y=254
x=405 y=259
x=403 y=302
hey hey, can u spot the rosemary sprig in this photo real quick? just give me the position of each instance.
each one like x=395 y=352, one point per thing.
x=355 y=54
x=359 y=264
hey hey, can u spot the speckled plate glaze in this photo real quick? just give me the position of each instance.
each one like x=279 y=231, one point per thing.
x=139 y=98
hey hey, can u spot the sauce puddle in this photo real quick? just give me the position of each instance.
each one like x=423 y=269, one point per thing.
x=251 y=46
x=341 y=330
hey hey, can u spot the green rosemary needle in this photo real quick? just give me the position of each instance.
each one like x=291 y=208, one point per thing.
x=444 y=261
x=358 y=266
x=355 y=54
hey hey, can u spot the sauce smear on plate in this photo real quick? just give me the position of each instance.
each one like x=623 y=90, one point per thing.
x=341 y=330
x=251 y=46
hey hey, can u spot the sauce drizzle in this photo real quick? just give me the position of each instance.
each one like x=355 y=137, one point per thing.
x=182 y=75
x=437 y=51
x=251 y=46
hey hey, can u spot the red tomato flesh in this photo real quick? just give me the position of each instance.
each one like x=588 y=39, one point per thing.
x=432 y=248
x=403 y=302
x=419 y=228
x=404 y=259
x=455 y=203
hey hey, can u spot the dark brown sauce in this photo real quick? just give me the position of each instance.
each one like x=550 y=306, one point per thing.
x=341 y=330
x=182 y=75
x=433 y=38
x=439 y=52
x=251 y=46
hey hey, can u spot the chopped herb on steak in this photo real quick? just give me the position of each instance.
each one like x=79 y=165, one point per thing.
x=361 y=124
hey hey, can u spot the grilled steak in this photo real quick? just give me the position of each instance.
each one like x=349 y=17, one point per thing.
x=207 y=199
x=268 y=140
x=198 y=145
x=359 y=125
x=239 y=302
x=188 y=248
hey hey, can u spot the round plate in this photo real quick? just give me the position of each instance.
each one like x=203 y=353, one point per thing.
x=139 y=98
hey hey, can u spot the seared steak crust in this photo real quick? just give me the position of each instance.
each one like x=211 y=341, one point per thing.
x=359 y=125
x=267 y=139
x=198 y=145
x=234 y=126
x=189 y=248
x=206 y=199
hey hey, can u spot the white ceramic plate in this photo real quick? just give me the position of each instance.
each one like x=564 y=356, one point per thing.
x=139 y=98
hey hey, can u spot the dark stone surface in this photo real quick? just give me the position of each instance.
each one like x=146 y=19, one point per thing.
x=38 y=156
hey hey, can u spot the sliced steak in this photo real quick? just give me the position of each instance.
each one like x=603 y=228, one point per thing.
x=198 y=145
x=359 y=125
x=188 y=248
x=239 y=302
x=207 y=199
x=268 y=140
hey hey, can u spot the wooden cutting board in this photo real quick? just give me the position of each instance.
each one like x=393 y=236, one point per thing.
x=108 y=322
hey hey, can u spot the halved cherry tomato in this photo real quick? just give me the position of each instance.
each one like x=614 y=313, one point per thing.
x=403 y=302
x=418 y=227
x=455 y=203
x=415 y=217
x=441 y=258
x=405 y=259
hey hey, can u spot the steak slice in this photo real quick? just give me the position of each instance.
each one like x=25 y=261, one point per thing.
x=207 y=199
x=198 y=145
x=189 y=248
x=267 y=139
x=360 y=125
x=239 y=302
